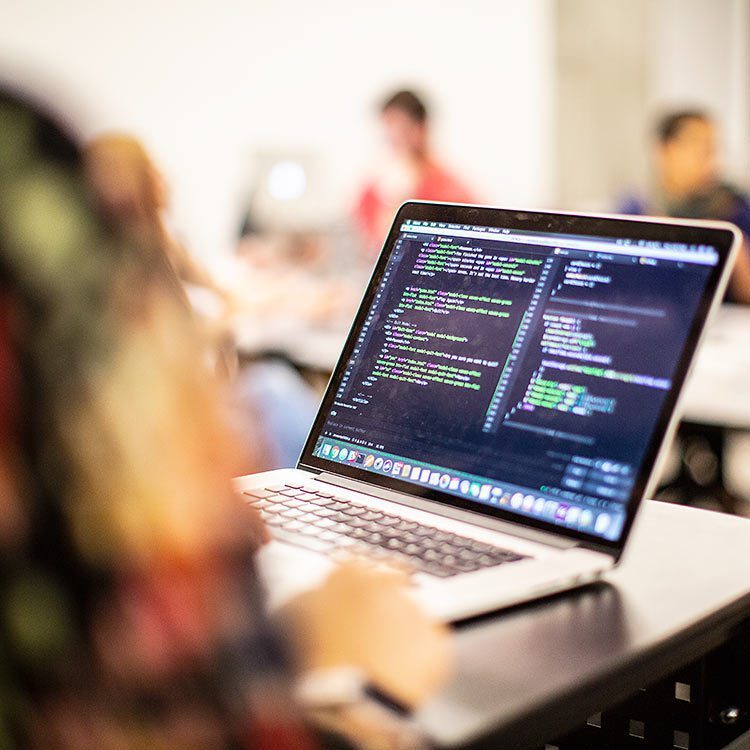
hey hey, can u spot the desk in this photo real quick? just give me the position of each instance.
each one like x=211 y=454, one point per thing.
x=716 y=401
x=311 y=348
x=718 y=391
x=528 y=676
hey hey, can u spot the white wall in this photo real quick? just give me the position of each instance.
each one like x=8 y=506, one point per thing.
x=603 y=117
x=621 y=63
x=701 y=56
x=205 y=82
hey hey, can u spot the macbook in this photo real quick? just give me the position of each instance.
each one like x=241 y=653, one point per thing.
x=500 y=406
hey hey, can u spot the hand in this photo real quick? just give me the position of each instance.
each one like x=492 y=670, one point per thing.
x=363 y=616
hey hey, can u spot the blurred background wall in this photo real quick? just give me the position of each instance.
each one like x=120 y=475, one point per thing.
x=536 y=103
x=205 y=83
x=620 y=63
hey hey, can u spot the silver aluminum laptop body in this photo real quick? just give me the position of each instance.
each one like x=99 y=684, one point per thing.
x=489 y=341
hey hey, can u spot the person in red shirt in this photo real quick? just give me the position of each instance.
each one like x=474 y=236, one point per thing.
x=409 y=171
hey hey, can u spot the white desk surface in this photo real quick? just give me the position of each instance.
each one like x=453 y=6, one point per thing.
x=718 y=391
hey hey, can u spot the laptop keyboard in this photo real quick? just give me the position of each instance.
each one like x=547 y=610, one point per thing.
x=325 y=523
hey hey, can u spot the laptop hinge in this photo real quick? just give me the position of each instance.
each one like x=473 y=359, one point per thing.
x=447 y=511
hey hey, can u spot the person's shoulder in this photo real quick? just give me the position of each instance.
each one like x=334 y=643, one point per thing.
x=445 y=184
x=740 y=209
x=631 y=203
x=740 y=196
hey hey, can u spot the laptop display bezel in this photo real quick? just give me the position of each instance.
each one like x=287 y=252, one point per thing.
x=719 y=235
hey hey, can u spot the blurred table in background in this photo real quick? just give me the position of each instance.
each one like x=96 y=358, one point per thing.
x=718 y=391
x=716 y=404
x=308 y=348
x=296 y=299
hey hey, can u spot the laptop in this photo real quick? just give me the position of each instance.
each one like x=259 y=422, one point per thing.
x=500 y=406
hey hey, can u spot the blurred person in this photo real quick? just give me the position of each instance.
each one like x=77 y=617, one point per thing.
x=409 y=170
x=130 y=612
x=689 y=185
x=131 y=192
x=269 y=398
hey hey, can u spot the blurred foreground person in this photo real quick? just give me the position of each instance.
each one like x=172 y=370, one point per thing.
x=689 y=185
x=409 y=170
x=268 y=398
x=132 y=193
x=130 y=612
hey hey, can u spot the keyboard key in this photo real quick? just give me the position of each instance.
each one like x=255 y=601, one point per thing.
x=482 y=547
x=410 y=538
x=357 y=523
x=442 y=536
x=337 y=506
x=292 y=503
x=308 y=496
x=325 y=523
x=259 y=494
x=389 y=521
x=404 y=525
x=292 y=513
x=448 y=549
x=325 y=512
x=486 y=561
x=340 y=528
x=465 y=566
x=258 y=503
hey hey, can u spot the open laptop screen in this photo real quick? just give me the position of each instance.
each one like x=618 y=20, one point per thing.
x=519 y=370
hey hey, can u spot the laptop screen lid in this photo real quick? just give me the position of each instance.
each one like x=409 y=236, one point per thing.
x=522 y=365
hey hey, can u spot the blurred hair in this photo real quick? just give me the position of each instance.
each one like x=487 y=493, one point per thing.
x=139 y=182
x=128 y=573
x=669 y=125
x=409 y=103
x=44 y=132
